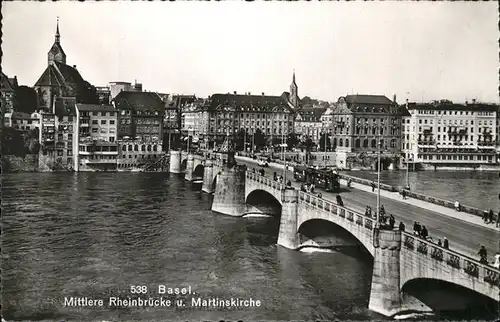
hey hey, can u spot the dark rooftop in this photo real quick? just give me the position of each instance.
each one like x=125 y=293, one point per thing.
x=139 y=101
x=95 y=107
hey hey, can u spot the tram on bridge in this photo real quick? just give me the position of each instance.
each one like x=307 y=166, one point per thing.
x=324 y=178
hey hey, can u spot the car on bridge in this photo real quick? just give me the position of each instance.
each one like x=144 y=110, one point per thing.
x=263 y=163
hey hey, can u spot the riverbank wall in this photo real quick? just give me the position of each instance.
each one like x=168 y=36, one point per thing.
x=419 y=196
x=13 y=163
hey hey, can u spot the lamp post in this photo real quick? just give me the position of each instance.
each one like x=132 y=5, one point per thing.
x=284 y=160
x=253 y=140
x=378 y=181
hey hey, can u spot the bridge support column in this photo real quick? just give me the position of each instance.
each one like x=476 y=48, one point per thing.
x=229 y=196
x=189 y=168
x=385 y=295
x=208 y=177
x=288 y=235
x=175 y=161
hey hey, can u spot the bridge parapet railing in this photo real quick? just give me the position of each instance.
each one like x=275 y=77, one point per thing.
x=336 y=210
x=264 y=180
x=456 y=260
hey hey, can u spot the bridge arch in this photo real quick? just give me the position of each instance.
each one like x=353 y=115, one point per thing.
x=449 y=298
x=184 y=164
x=199 y=170
x=324 y=233
x=259 y=201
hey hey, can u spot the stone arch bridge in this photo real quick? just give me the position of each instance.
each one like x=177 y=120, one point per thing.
x=399 y=257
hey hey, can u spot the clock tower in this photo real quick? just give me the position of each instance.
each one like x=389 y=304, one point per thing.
x=56 y=53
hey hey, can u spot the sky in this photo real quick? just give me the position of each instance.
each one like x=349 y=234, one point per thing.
x=416 y=50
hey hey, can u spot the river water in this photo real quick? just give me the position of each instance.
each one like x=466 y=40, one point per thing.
x=478 y=189
x=95 y=235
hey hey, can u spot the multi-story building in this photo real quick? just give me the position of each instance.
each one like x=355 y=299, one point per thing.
x=61 y=80
x=59 y=136
x=359 y=122
x=116 y=87
x=22 y=121
x=308 y=123
x=227 y=114
x=140 y=128
x=97 y=131
x=8 y=87
x=444 y=134
x=104 y=93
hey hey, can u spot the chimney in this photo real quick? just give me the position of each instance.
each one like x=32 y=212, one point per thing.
x=473 y=101
x=74 y=66
x=263 y=94
x=234 y=92
x=249 y=93
x=394 y=98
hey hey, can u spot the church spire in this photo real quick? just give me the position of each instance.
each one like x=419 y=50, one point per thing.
x=58 y=36
x=294 y=92
x=293 y=79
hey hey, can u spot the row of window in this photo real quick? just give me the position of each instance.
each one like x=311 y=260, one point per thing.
x=455 y=157
x=427 y=112
x=144 y=147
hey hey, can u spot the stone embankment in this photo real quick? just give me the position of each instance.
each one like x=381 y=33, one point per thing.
x=13 y=163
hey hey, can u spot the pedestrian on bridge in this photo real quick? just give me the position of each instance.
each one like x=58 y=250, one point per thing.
x=490 y=216
x=498 y=220
x=339 y=201
x=392 y=221
x=439 y=242
x=445 y=243
x=373 y=186
x=424 y=233
x=401 y=226
x=457 y=205
x=403 y=193
x=496 y=264
x=483 y=254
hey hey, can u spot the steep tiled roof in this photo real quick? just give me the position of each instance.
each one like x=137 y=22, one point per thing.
x=20 y=116
x=368 y=99
x=139 y=101
x=238 y=102
x=95 y=108
x=6 y=84
x=59 y=74
x=311 y=114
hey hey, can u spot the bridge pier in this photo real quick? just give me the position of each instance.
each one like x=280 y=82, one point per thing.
x=189 y=168
x=386 y=296
x=175 y=161
x=208 y=175
x=229 y=196
x=288 y=235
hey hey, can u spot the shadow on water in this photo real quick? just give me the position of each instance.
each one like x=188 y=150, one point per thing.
x=451 y=301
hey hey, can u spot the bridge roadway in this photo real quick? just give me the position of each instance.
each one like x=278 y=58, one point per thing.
x=463 y=236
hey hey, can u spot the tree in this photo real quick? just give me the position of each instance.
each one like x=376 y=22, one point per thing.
x=88 y=94
x=25 y=99
x=239 y=140
x=259 y=139
x=277 y=141
x=292 y=140
x=308 y=144
x=324 y=136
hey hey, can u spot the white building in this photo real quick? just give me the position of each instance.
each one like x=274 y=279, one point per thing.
x=454 y=135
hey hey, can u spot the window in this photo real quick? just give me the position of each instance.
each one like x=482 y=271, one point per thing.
x=111 y=122
x=103 y=121
x=94 y=122
x=94 y=130
x=95 y=113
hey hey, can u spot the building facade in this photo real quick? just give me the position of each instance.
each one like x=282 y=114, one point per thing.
x=22 y=121
x=140 y=129
x=97 y=131
x=8 y=87
x=444 y=134
x=308 y=123
x=358 y=123
x=59 y=136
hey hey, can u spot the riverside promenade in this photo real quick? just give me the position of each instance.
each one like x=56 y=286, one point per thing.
x=465 y=232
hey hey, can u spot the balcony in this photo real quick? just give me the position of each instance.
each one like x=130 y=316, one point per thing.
x=100 y=161
x=426 y=142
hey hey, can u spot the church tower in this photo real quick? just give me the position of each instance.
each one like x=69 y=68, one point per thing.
x=56 y=53
x=294 y=94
